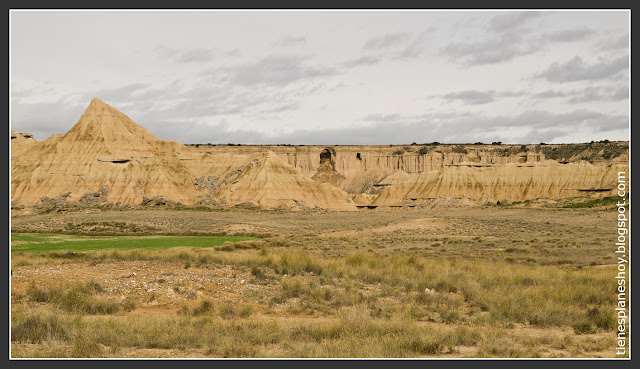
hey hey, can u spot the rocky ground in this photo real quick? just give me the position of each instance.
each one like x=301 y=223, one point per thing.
x=567 y=239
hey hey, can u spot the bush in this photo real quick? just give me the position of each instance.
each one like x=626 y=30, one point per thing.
x=226 y=246
x=422 y=347
x=246 y=311
x=583 y=328
x=79 y=298
x=291 y=289
x=37 y=328
x=602 y=318
x=205 y=307
x=459 y=149
x=227 y=311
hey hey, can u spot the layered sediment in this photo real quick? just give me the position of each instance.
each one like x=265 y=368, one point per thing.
x=107 y=158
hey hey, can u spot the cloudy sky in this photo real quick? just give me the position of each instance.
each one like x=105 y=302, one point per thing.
x=328 y=77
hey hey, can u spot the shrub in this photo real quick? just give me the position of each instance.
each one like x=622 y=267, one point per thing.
x=460 y=149
x=37 y=328
x=583 y=328
x=291 y=288
x=205 y=307
x=226 y=246
x=419 y=346
x=79 y=298
x=227 y=311
x=246 y=311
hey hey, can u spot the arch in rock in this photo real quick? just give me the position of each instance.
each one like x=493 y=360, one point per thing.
x=327 y=158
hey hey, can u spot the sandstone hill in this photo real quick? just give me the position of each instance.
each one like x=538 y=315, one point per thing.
x=508 y=183
x=20 y=142
x=106 y=158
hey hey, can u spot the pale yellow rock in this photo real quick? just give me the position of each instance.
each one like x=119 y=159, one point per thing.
x=107 y=158
x=364 y=199
x=505 y=183
x=272 y=183
x=20 y=142
x=105 y=153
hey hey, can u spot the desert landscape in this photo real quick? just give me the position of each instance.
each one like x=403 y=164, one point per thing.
x=127 y=245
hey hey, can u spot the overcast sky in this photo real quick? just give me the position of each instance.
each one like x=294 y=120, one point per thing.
x=328 y=77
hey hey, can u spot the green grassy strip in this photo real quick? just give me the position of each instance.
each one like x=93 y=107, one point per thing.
x=45 y=242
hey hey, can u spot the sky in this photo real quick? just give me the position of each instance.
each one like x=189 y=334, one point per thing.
x=328 y=77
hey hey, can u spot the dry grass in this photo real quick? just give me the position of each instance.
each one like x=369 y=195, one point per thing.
x=507 y=283
x=355 y=333
x=79 y=298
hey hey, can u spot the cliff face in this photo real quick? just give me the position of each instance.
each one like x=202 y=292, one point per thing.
x=483 y=173
x=510 y=182
x=107 y=158
x=20 y=142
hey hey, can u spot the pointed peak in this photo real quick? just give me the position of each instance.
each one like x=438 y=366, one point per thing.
x=102 y=117
x=97 y=106
x=95 y=102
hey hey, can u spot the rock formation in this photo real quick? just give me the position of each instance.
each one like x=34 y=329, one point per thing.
x=107 y=158
x=20 y=142
x=507 y=183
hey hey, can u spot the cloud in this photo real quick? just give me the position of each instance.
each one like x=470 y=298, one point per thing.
x=43 y=119
x=596 y=93
x=516 y=93
x=390 y=40
x=292 y=41
x=577 y=70
x=611 y=43
x=531 y=126
x=550 y=94
x=472 y=97
x=477 y=97
x=22 y=92
x=201 y=113
x=365 y=60
x=288 y=106
x=194 y=55
x=512 y=20
x=620 y=93
x=591 y=94
x=234 y=53
x=451 y=127
x=383 y=118
x=120 y=94
x=277 y=70
x=570 y=35
x=492 y=51
x=416 y=47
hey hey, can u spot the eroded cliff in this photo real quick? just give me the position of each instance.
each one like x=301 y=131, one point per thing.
x=107 y=158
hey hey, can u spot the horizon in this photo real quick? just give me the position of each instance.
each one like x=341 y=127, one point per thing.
x=433 y=143
x=329 y=77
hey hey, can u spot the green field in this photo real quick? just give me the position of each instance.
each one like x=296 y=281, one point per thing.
x=46 y=242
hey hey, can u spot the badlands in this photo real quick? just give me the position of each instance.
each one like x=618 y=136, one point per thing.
x=418 y=250
x=106 y=158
